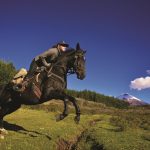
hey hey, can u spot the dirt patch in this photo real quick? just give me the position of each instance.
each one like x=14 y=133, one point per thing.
x=64 y=145
x=86 y=138
x=73 y=145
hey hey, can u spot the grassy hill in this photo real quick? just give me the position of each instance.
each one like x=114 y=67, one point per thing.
x=101 y=127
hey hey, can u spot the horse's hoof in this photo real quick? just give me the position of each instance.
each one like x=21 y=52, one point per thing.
x=60 y=117
x=1 y=136
x=3 y=131
x=77 y=119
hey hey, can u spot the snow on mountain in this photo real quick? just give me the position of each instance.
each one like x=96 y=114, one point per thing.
x=126 y=96
x=132 y=100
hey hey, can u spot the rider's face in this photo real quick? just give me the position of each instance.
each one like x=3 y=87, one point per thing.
x=62 y=48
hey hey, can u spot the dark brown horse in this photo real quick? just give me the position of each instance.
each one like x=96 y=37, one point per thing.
x=51 y=82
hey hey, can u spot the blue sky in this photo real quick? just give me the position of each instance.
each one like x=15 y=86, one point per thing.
x=115 y=33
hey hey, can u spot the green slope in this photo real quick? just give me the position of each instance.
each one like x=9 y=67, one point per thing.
x=38 y=130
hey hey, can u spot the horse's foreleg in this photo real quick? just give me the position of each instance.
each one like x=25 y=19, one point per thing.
x=74 y=102
x=65 y=112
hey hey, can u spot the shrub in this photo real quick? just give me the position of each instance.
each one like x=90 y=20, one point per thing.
x=7 y=71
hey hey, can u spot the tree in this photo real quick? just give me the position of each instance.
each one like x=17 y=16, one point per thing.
x=7 y=71
x=97 y=97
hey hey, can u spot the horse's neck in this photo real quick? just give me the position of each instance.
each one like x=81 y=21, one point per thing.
x=63 y=64
x=60 y=68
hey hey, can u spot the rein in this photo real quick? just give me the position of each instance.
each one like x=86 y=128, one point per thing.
x=69 y=72
x=50 y=73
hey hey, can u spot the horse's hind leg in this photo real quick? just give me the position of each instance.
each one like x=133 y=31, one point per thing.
x=6 y=109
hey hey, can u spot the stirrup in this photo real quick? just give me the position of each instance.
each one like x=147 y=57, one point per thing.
x=18 y=88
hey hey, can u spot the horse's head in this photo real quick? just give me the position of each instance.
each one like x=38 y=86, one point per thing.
x=71 y=61
x=78 y=62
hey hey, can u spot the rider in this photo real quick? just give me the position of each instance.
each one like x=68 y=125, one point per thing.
x=42 y=60
x=47 y=57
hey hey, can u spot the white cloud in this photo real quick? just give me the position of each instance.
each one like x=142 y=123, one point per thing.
x=148 y=71
x=140 y=83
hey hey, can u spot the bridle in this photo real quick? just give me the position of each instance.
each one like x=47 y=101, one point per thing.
x=74 y=68
x=70 y=70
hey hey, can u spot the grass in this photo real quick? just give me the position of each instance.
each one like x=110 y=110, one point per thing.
x=100 y=128
x=37 y=129
x=106 y=137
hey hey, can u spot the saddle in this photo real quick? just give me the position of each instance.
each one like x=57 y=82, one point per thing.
x=29 y=86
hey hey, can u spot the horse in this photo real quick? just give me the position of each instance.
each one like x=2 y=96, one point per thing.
x=51 y=82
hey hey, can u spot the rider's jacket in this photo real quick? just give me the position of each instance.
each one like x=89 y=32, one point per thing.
x=50 y=54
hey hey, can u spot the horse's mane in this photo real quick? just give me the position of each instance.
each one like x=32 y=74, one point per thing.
x=67 y=53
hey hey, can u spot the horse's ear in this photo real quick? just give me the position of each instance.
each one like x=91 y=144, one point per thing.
x=78 y=46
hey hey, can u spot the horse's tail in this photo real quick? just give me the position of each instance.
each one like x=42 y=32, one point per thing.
x=3 y=93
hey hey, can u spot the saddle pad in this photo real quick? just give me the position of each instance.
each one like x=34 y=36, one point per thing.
x=36 y=91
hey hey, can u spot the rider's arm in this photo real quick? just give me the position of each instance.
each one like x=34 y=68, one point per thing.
x=44 y=62
x=51 y=54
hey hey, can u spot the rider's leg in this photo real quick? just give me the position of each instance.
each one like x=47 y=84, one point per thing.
x=32 y=68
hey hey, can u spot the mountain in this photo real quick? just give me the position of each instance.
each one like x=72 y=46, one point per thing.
x=132 y=100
